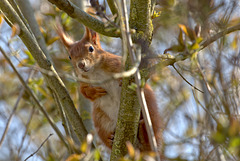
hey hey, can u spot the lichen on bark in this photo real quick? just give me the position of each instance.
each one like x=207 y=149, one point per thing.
x=128 y=118
x=140 y=20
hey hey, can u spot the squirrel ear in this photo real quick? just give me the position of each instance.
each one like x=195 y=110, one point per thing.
x=92 y=36
x=66 y=40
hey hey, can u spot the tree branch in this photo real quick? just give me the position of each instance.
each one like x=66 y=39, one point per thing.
x=140 y=89
x=26 y=130
x=170 y=60
x=219 y=35
x=130 y=125
x=11 y=115
x=89 y=21
x=186 y=80
x=54 y=80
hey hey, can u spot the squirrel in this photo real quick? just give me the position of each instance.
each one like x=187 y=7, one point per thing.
x=92 y=62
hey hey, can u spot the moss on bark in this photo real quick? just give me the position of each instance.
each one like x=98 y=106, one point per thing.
x=140 y=20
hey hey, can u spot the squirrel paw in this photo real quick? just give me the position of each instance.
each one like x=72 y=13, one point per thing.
x=93 y=93
x=110 y=139
x=120 y=82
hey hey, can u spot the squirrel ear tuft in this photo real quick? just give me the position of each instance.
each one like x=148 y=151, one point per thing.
x=66 y=40
x=92 y=36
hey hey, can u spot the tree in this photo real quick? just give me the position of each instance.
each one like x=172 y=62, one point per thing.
x=196 y=75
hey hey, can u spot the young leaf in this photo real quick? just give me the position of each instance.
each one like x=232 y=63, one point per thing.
x=15 y=30
x=180 y=38
x=234 y=43
x=133 y=86
x=52 y=40
x=130 y=149
x=74 y=157
x=84 y=147
x=156 y=14
x=184 y=28
x=1 y=19
x=97 y=155
x=188 y=31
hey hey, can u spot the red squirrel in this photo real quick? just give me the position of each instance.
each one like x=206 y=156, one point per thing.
x=92 y=62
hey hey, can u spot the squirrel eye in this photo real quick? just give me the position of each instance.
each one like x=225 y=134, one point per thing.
x=70 y=57
x=91 y=49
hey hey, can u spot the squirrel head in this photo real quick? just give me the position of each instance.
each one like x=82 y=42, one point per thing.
x=85 y=54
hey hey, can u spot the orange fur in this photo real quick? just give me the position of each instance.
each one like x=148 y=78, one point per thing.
x=98 y=64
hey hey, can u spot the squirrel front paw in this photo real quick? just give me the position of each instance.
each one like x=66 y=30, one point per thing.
x=93 y=93
x=110 y=139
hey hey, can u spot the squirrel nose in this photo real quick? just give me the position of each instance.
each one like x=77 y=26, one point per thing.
x=81 y=65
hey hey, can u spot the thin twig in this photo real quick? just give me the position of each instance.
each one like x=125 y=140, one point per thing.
x=11 y=115
x=205 y=109
x=64 y=119
x=26 y=130
x=205 y=82
x=186 y=79
x=204 y=44
x=123 y=74
x=219 y=35
x=210 y=153
x=38 y=147
x=14 y=110
x=63 y=116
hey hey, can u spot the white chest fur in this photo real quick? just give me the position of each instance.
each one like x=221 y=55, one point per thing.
x=111 y=101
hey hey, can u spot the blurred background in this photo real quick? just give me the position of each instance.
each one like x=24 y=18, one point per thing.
x=198 y=125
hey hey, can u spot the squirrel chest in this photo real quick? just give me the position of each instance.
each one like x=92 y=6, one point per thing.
x=108 y=104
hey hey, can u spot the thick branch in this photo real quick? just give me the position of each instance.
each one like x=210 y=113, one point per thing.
x=140 y=19
x=89 y=21
x=127 y=124
x=54 y=80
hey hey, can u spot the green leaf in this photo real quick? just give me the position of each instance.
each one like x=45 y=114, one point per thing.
x=199 y=40
x=175 y=48
x=133 y=86
x=218 y=137
x=52 y=40
x=156 y=14
x=195 y=46
x=234 y=43
x=235 y=142
x=83 y=147
x=30 y=59
x=96 y=155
